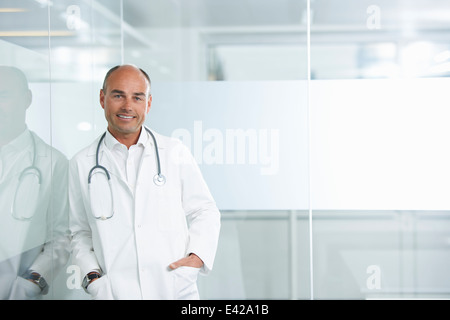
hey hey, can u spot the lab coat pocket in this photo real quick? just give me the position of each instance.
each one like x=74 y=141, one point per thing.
x=100 y=289
x=186 y=283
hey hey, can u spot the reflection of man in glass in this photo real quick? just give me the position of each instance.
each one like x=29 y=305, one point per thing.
x=33 y=198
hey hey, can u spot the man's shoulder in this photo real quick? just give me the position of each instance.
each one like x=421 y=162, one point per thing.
x=164 y=141
x=87 y=151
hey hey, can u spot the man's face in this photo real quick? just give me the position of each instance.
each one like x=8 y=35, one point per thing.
x=126 y=101
x=15 y=98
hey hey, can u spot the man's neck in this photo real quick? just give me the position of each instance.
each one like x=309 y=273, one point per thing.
x=127 y=139
x=7 y=137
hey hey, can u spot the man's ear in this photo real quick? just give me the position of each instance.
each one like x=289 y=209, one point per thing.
x=29 y=98
x=149 y=103
x=102 y=98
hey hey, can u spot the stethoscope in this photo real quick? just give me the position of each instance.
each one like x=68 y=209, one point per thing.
x=31 y=170
x=158 y=179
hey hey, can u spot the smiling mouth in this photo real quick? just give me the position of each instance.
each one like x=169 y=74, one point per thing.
x=124 y=116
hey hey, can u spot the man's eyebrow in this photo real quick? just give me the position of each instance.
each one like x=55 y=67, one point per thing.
x=117 y=91
x=123 y=92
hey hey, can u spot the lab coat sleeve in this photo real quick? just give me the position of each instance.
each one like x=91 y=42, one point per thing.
x=55 y=252
x=202 y=214
x=83 y=253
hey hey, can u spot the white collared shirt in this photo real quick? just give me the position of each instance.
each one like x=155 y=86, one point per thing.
x=128 y=160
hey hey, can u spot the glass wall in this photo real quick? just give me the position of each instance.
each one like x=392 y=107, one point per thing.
x=379 y=133
x=319 y=126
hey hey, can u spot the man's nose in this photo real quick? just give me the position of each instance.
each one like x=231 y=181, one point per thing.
x=127 y=104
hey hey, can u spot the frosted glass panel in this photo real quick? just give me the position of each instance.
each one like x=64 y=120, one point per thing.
x=378 y=149
x=249 y=138
x=380 y=144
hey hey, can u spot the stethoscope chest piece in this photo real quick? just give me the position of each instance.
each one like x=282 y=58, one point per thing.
x=159 y=179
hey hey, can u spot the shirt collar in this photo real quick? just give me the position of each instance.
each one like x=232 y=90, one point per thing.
x=112 y=142
x=21 y=142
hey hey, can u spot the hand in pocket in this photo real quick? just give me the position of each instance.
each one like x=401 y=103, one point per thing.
x=190 y=261
x=185 y=272
x=24 y=290
x=100 y=289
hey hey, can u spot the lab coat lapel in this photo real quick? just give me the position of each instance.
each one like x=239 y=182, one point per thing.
x=149 y=166
x=147 y=197
x=148 y=163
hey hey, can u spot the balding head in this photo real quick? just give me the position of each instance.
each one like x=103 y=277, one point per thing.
x=127 y=67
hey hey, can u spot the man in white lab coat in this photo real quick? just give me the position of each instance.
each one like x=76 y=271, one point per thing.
x=153 y=239
x=34 y=241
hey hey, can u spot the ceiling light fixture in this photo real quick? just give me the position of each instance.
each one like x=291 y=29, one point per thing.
x=37 y=33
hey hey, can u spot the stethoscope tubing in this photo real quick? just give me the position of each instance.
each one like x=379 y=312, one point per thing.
x=159 y=179
x=159 y=176
x=33 y=169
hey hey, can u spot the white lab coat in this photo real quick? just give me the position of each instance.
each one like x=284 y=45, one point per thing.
x=41 y=243
x=150 y=229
